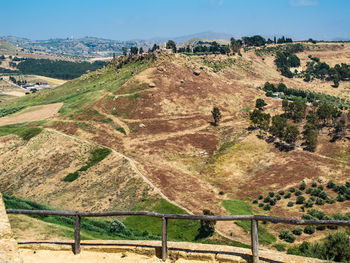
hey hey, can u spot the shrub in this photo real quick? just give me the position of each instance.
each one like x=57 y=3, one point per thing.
x=347 y=184
x=287 y=236
x=255 y=201
x=71 y=177
x=316 y=192
x=222 y=193
x=272 y=202
x=334 y=247
x=298 y=193
x=292 y=189
x=309 y=203
x=117 y=227
x=261 y=197
x=314 y=184
x=320 y=187
x=261 y=204
x=321 y=228
x=281 y=192
x=337 y=247
x=300 y=199
x=302 y=186
x=320 y=201
x=309 y=190
x=287 y=195
x=267 y=199
x=339 y=216
x=331 y=184
x=330 y=200
x=267 y=207
x=340 y=198
x=323 y=195
x=318 y=214
x=309 y=230
x=280 y=246
x=307 y=217
x=207 y=228
x=278 y=197
x=271 y=194
x=290 y=204
x=297 y=231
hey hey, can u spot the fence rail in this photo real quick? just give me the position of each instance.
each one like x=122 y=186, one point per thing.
x=165 y=217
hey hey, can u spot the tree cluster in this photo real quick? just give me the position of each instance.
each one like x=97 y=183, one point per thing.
x=283 y=40
x=312 y=97
x=211 y=48
x=171 y=45
x=57 y=68
x=321 y=70
x=319 y=116
x=284 y=60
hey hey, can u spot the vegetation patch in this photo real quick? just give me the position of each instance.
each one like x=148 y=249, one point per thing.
x=24 y=130
x=90 y=228
x=57 y=68
x=96 y=156
x=178 y=230
x=335 y=247
x=218 y=65
x=5 y=112
x=239 y=207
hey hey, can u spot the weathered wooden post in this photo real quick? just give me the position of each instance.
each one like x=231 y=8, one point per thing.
x=164 y=238
x=349 y=237
x=77 y=235
x=255 y=241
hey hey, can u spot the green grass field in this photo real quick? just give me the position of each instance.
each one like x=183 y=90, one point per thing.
x=178 y=230
x=239 y=207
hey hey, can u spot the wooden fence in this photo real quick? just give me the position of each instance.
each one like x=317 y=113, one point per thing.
x=165 y=217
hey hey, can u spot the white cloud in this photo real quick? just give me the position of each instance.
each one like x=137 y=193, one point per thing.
x=303 y=2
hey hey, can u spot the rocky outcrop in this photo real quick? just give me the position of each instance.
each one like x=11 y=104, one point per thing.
x=8 y=245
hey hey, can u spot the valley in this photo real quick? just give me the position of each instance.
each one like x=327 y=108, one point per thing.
x=153 y=111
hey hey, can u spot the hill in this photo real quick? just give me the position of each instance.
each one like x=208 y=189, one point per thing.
x=155 y=111
x=79 y=47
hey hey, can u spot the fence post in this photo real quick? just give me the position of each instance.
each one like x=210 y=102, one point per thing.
x=164 y=238
x=77 y=235
x=255 y=241
x=349 y=236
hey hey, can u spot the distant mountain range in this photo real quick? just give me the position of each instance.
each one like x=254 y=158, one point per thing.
x=80 y=47
x=99 y=47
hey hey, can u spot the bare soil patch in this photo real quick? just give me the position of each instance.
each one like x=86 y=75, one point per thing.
x=34 y=113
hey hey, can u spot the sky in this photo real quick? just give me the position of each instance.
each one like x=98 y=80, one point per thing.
x=146 y=19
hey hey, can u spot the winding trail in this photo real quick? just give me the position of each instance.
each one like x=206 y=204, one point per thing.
x=146 y=180
x=133 y=166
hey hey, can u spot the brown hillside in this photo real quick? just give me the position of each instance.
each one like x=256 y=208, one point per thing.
x=168 y=133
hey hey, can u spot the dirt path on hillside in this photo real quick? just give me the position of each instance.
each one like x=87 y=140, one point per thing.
x=223 y=229
x=134 y=167
x=167 y=135
x=34 y=113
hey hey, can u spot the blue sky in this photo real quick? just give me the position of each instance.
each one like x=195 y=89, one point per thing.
x=144 y=19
